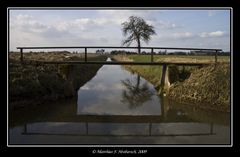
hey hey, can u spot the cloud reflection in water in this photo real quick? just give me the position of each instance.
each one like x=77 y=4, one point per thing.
x=115 y=91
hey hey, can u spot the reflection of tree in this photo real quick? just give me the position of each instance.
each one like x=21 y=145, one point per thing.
x=135 y=94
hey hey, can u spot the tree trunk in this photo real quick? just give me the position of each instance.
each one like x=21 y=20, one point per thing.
x=139 y=45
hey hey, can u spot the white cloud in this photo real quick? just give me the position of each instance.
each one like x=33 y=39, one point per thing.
x=212 y=34
x=162 y=24
x=84 y=24
x=25 y=23
x=119 y=16
x=216 y=34
x=182 y=35
x=124 y=14
x=211 y=13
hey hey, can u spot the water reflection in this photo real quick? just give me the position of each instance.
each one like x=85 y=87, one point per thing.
x=119 y=129
x=119 y=133
x=135 y=94
x=53 y=126
x=115 y=91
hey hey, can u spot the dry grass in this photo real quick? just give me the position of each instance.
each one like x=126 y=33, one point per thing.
x=52 y=56
x=30 y=84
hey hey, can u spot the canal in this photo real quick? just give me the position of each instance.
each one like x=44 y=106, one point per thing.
x=118 y=107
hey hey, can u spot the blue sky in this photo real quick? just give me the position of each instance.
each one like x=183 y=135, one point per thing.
x=174 y=28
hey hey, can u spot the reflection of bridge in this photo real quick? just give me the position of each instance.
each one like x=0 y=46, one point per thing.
x=169 y=122
x=118 y=129
x=164 y=78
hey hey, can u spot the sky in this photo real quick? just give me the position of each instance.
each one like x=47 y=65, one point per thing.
x=174 y=28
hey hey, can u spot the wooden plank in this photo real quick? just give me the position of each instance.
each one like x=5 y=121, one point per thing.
x=119 y=47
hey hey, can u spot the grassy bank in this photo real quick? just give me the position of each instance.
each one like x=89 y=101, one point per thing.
x=153 y=73
x=207 y=86
x=150 y=73
x=31 y=84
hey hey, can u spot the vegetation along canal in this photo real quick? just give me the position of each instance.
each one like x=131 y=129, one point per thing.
x=115 y=107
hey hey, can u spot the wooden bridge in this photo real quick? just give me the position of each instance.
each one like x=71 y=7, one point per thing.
x=215 y=51
x=164 y=78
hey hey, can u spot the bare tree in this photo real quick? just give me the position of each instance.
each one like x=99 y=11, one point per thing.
x=138 y=30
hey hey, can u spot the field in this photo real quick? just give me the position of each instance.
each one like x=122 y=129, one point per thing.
x=180 y=58
x=53 y=56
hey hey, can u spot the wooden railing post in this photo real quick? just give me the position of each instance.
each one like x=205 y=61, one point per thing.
x=216 y=52
x=152 y=55
x=85 y=54
x=21 y=54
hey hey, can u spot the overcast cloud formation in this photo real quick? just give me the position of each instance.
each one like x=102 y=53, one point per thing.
x=174 y=28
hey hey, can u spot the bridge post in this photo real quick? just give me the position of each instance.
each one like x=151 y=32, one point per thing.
x=164 y=69
x=25 y=128
x=150 y=129
x=216 y=52
x=164 y=85
x=21 y=54
x=151 y=54
x=85 y=55
x=87 y=128
x=211 y=128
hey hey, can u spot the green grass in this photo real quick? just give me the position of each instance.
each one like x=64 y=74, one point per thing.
x=153 y=73
x=179 y=58
x=150 y=73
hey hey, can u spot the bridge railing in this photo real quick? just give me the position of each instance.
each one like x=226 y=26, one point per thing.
x=215 y=51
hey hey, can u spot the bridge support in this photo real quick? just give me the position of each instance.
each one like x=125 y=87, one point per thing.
x=164 y=107
x=164 y=84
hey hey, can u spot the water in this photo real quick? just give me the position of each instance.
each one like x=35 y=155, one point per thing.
x=118 y=92
x=117 y=107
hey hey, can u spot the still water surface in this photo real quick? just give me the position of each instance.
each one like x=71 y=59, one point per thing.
x=115 y=91
x=118 y=107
